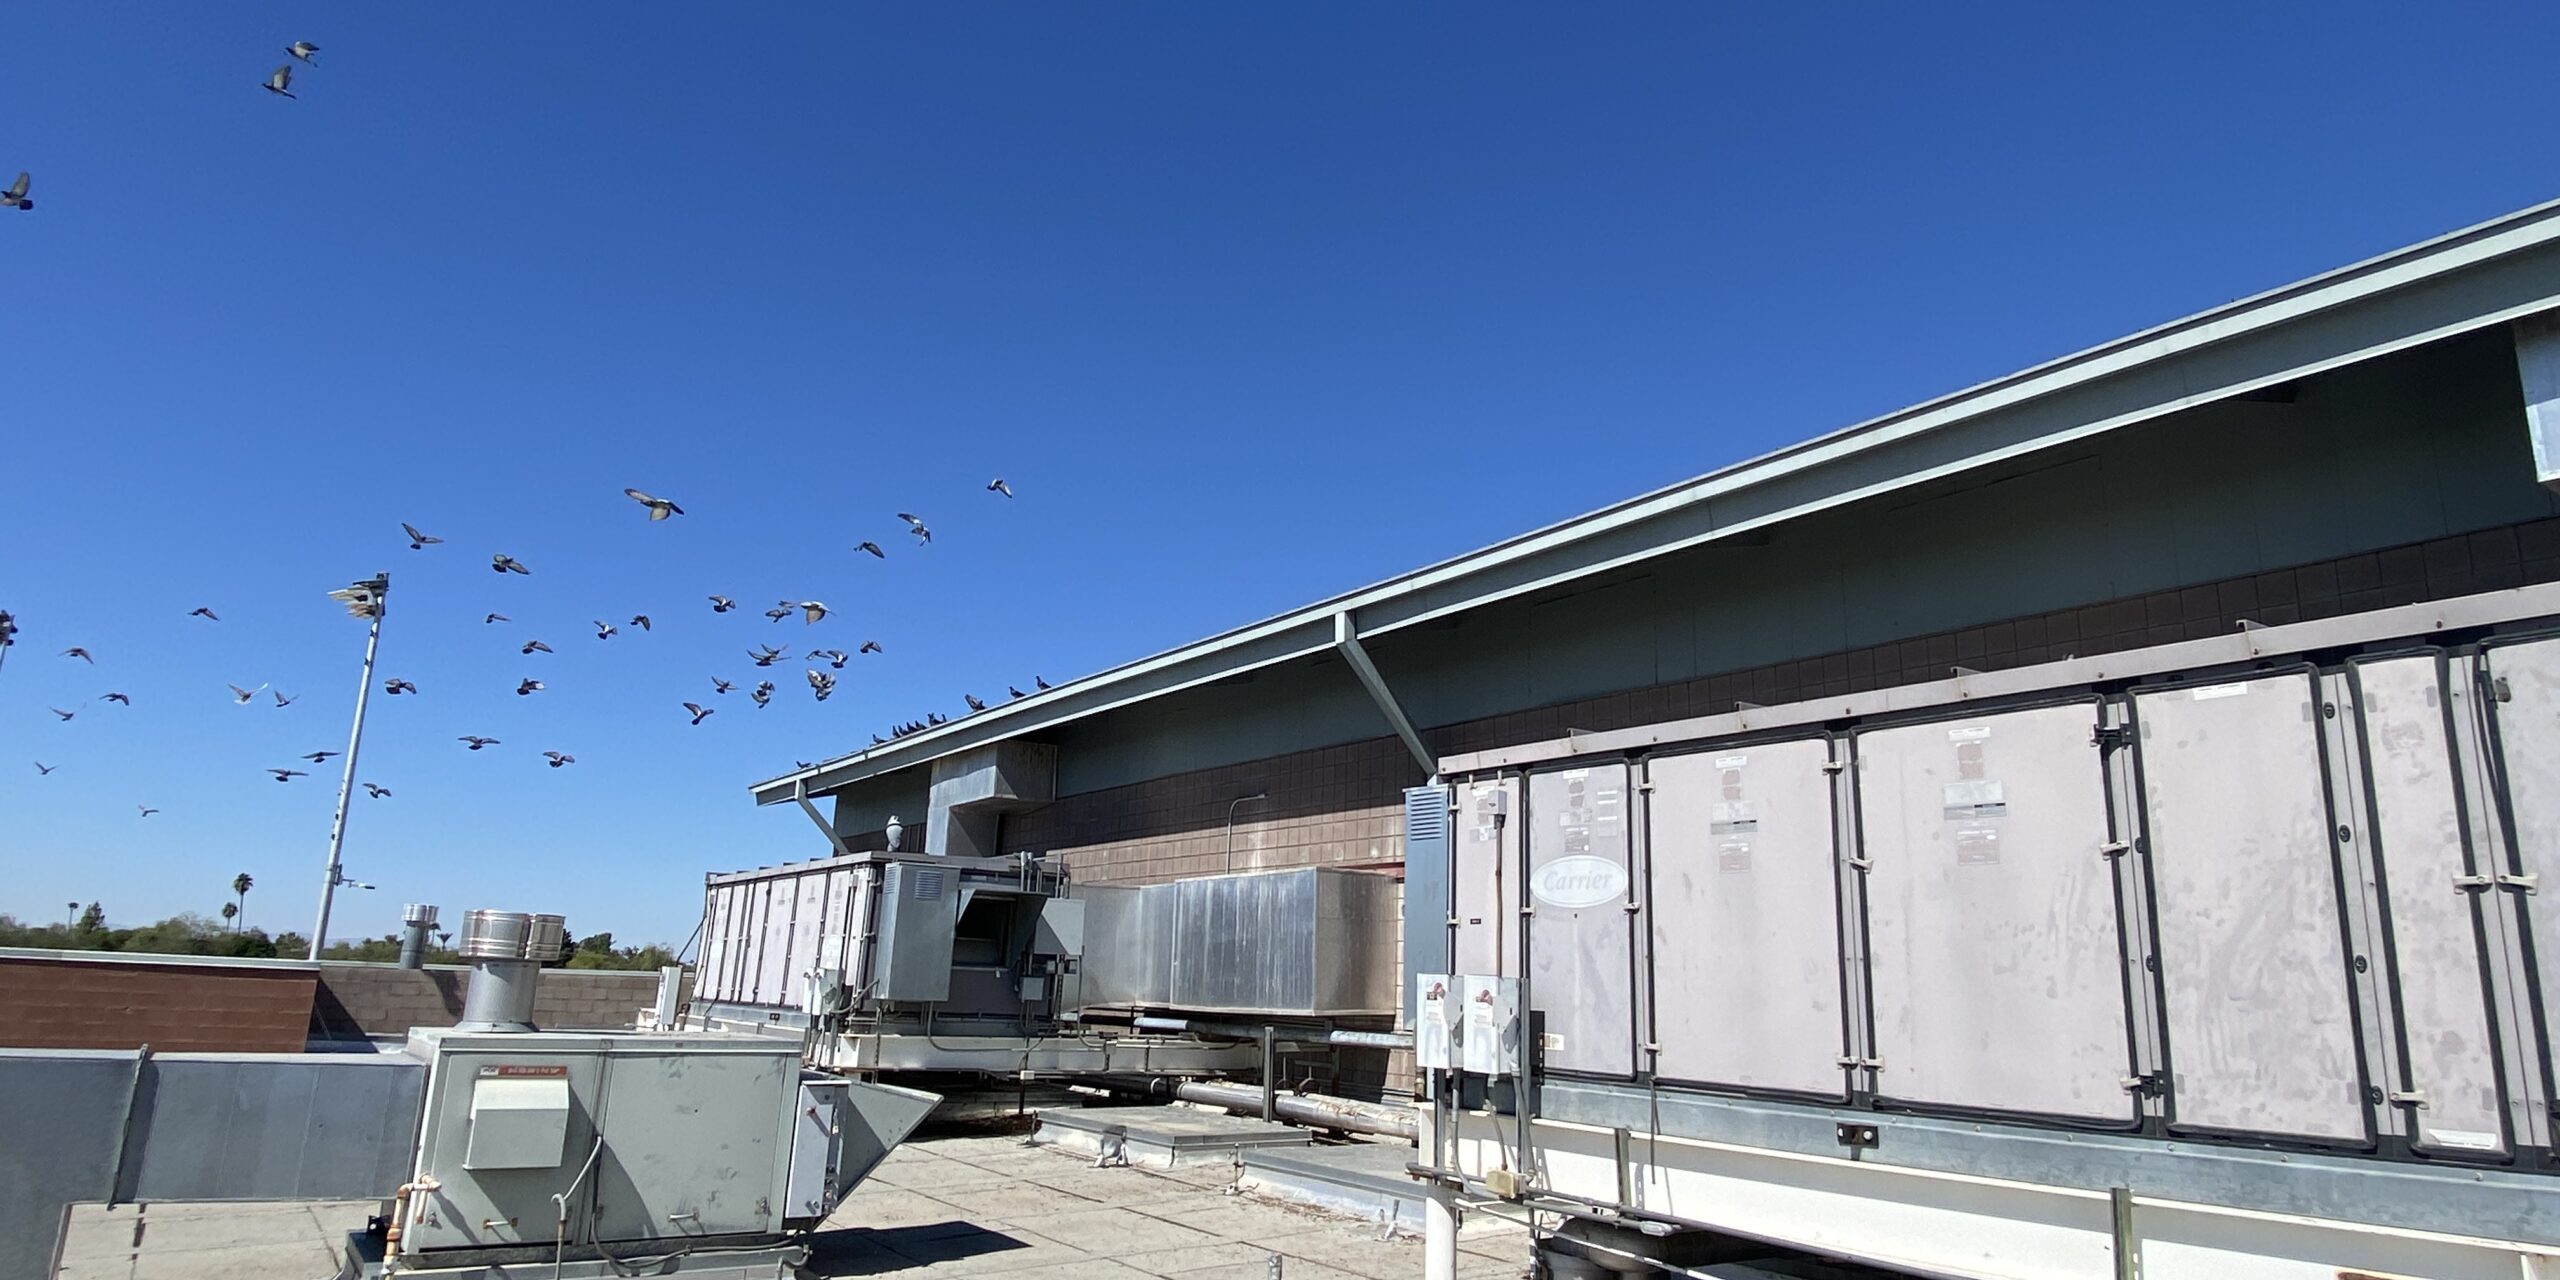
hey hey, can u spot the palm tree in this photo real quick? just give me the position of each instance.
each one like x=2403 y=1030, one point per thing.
x=229 y=911
x=240 y=884
x=74 y=921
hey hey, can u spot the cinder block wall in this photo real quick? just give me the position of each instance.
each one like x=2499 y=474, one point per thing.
x=357 y=1000
x=69 y=1001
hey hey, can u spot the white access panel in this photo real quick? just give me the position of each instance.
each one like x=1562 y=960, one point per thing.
x=808 y=926
x=712 y=983
x=1744 y=917
x=2525 y=681
x=1485 y=889
x=839 y=901
x=2261 y=1033
x=1581 y=934
x=695 y=1144
x=754 y=906
x=2437 y=956
x=773 y=956
x=518 y=1121
x=1996 y=956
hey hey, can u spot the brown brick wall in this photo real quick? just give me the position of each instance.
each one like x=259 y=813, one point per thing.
x=1342 y=805
x=174 y=1008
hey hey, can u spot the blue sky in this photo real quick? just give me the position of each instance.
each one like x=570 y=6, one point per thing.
x=1252 y=303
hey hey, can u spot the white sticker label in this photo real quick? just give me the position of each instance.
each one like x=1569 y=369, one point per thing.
x=1732 y=762
x=1969 y=733
x=2466 y=1139
x=1578 y=880
x=2212 y=691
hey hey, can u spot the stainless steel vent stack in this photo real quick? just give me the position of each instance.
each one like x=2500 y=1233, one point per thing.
x=417 y=920
x=506 y=950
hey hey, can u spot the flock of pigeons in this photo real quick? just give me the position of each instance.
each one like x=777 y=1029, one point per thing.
x=822 y=683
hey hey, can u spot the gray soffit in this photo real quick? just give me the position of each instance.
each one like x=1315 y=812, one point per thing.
x=2484 y=275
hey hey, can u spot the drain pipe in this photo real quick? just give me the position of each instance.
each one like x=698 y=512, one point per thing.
x=1314 y=1110
x=1239 y=1031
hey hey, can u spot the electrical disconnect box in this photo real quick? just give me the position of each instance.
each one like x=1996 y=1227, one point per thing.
x=1435 y=1030
x=1488 y=1039
x=919 y=918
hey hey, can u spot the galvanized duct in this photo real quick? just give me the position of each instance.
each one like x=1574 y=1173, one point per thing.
x=1311 y=1109
x=507 y=950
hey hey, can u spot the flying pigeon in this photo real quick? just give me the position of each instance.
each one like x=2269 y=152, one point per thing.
x=779 y=611
x=399 y=686
x=475 y=742
x=321 y=757
x=998 y=485
x=147 y=810
x=606 y=630
x=835 y=657
x=910 y=518
x=719 y=685
x=288 y=775
x=279 y=82
x=376 y=792
x=76 y=651
x=242 y=696
x=558 y=759
x=659 y=508
x=640 y=620
x=873 y=548
x=303 y=49
x=870 y=646
x=117 y=698
x=1038 y=683
x=699 y=710
x=42 y=768
x=62 y=713
x=17 y=193
x=506 y=564
x=418 y=541
x=972 y=700
x=524 y=687
x=766 y=656
x=204 y=613
x=811 y=610
x=1015 y=692
x=536 y=646
x=722 y=604
x=495 y=617
x=281 y=700
x=762 y=693
x=923 y=535
x=819 y=679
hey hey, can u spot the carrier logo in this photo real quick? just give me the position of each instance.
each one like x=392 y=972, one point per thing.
x=1581 y=880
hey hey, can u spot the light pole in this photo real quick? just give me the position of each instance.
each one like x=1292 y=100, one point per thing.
x=363 y=600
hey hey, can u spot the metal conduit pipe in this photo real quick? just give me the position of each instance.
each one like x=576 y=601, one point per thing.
x=1238 y=1031
x=1316 y=1110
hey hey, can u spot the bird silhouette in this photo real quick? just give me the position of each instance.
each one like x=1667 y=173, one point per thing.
x=606 y=630
x=811 y=611
x=719 y=685
x=762 y=693
x=835 y=657
x=418 y=541
x=779 y=611
x=722 y=604
x=320 y=757
x=659 y=508
x=507 y=564
x=558 y=759
x=116 y=698
x=66 y=715
x=280 y=81
x=204 y=613
x=42 y=768
x=495 y=617
x=878 y=741
x=535 y=646
x=1015 y=692
x=998 y=485
x=873 y=548
x=76 y=651
x=1038 y=683
x=935 y=719
x=241 y=696
x=288 y=775
x=640 y=620
x=524 y=687
x=17 y=193
x=765 y=656
x=923 y=535
x=869 y=646
x=376 y=792
x=147 y=810
x=303 y=49
x=910 y=518
x=281 y=700
x=399 y=687
x=972 y=700
x=699 y=710
x=475 y=742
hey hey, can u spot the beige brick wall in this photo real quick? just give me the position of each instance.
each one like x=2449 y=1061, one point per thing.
x=386 y=1000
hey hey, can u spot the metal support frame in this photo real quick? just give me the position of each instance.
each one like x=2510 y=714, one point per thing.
x=378 y=603
x=1346 y=641
x=800 y=796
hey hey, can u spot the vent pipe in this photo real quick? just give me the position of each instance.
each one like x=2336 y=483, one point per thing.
x=507 y=950
x=417 y=920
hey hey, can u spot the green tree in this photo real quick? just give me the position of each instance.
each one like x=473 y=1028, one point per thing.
x=230 y=915
x=93 y=920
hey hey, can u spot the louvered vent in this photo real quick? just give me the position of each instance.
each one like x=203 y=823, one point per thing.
x=1426 y=814
x=928 y=884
